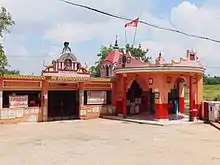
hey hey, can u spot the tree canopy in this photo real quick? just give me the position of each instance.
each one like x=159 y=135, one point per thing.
x=211 y=80
x=5 y=23
x=137 y=52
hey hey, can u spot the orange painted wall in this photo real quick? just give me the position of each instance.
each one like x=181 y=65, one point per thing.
x=159 y=83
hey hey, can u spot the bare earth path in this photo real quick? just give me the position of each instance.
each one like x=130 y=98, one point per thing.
x=103 y=142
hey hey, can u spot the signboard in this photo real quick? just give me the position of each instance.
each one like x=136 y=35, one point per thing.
x=4 y=114
x=96 y=97
x=18 y=101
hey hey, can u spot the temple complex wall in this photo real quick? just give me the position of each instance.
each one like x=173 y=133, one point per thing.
x=38 y=112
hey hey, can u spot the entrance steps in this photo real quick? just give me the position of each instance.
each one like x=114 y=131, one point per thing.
x=137 y=120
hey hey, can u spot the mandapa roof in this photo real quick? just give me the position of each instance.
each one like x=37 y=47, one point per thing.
x=58 y=78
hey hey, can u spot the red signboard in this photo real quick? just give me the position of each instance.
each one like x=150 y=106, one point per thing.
x=18 y=101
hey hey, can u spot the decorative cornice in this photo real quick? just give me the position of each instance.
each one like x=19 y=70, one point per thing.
x=83 y=79
x=20 y=77
x=59 y=78
x=155 y=69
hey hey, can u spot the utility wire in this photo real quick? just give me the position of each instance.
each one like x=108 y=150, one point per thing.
x=143 y=22
x=41 y=56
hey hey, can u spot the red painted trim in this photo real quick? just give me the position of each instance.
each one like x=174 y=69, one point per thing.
x=206 y=111
x=181 y=105
x=124 y=97
x=161 y=111
x=190 y=93
x=119 y=107
x=199 y=107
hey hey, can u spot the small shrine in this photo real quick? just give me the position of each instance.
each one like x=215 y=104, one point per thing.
x=66 y=65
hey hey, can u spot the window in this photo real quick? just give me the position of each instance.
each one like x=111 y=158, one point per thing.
x=109 y=97
x=192 y=57
x=107 y=71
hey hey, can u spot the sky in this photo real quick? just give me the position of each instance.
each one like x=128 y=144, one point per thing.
x=43 y=25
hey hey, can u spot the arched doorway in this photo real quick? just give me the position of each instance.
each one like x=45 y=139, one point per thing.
x=178 y=97
x=140 y=99
x=134 y=95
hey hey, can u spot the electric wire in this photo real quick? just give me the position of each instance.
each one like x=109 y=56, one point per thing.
x=142 y=22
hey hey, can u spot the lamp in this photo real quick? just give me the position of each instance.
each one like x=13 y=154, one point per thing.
x=168 y=79
x=150 y=81
x=194 y=80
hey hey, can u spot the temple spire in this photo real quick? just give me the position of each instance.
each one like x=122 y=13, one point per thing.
x=116 y=42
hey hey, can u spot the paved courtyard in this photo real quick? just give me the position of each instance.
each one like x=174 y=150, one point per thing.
x=107 y=142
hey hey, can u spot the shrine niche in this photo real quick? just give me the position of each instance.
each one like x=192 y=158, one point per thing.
x=66 y=65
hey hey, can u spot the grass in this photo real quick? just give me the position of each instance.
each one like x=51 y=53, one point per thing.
x=211 y=91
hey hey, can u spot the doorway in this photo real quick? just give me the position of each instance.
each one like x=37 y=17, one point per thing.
x=151 y=101
x=134 y=98
x=63 y=105
x=178 y=98
x=173 y=101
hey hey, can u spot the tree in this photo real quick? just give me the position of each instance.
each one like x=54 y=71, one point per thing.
x=105 y=50
x=5 y=23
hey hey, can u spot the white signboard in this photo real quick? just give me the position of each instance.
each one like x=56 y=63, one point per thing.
x=4 y=114
x=11 y=114
x=18 y=101
x=19 y=113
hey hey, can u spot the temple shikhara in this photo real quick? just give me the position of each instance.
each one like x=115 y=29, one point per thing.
x=127 y=87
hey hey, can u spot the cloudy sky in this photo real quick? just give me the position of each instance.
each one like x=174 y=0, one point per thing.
x=43 y=25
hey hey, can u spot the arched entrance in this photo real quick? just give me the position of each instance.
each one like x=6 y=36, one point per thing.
x=140 y=99
x=178 y=97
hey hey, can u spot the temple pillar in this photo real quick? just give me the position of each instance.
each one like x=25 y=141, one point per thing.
x=192 y=98
x=124 y=96
x=81 y=111
x=44 y=101
x=181 y=98
x=161 y=99
x=199 y=94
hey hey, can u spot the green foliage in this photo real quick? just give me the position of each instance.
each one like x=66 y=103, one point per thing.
x=138 y=52
x=209 y=80
x=212 y=92
x=5 y=22
x=105 y=50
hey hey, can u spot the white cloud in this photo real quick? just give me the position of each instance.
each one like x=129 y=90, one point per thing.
x=54 y=22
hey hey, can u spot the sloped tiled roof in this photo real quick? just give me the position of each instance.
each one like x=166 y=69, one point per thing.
x=59 y=78
x=113 y=56
x=19 y=77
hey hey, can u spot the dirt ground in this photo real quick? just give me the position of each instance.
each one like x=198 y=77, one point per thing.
x=106 y=142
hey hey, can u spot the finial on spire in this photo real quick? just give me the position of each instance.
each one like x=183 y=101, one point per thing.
x=116 y=42
x=66 y=48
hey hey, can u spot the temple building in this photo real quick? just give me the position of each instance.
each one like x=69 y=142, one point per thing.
x=128 y=86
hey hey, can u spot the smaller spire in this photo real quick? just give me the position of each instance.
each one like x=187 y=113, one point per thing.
x=160 y=55
x=116 y=42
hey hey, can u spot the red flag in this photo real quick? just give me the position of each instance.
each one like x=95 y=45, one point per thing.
x=133 y=23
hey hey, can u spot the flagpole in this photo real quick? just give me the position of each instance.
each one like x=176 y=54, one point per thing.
x=135 y=33
x=126 y=41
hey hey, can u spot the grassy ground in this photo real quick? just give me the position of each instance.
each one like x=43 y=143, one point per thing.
x=211 y=91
